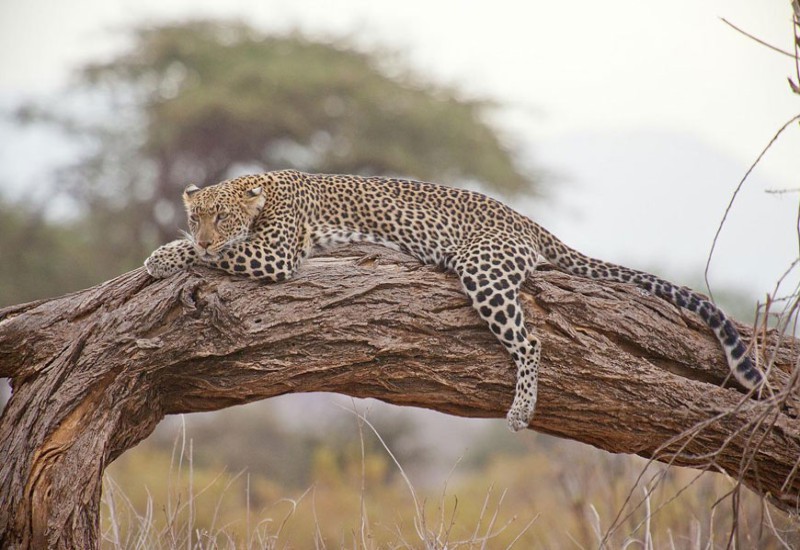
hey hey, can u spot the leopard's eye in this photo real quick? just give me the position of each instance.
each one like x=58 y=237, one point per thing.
x=193 y=217
x=221 y=216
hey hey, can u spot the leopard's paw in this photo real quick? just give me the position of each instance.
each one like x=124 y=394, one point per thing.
x=159 y=267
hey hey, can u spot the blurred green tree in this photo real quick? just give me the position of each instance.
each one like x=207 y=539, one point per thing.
x=201 y=101
x=42 y=258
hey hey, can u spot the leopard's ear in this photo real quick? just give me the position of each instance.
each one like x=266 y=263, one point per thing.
x=254 y=200
x=191 y=190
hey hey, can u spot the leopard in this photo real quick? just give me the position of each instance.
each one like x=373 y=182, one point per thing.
x=263 y=226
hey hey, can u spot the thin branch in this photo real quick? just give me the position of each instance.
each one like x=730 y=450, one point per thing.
x=733 y=198
x=767 y=44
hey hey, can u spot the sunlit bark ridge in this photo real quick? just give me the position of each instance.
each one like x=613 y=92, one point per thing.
x=93 y=373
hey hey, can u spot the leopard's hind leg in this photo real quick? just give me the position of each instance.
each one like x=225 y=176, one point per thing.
x=491 y=277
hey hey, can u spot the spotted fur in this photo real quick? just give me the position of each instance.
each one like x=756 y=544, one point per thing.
x=263 y=226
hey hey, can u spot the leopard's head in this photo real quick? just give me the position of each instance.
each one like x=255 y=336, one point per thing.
x=221 y=215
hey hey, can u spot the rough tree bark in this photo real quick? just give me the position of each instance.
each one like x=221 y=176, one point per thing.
x=93 y=373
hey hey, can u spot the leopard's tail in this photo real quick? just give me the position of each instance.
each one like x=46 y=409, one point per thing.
x=572 y=261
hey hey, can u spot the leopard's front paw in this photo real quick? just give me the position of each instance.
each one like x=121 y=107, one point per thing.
x=159 y=268
x=170 y=258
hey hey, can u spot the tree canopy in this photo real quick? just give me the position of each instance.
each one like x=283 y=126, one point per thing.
x=215 y=94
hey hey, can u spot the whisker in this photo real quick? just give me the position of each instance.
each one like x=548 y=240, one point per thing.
x=189 y=237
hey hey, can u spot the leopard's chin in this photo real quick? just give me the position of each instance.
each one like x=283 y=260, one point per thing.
x=207 y=255
x=215 y=253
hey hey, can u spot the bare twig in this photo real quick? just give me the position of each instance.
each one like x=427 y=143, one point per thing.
x=763 y=43
x=736 y=192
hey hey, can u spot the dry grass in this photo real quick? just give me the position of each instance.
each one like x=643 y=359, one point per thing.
x=559 y=494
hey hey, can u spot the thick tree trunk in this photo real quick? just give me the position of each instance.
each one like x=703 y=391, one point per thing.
x=93 y=373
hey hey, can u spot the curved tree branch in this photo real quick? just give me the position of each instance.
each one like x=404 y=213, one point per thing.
x=93 y=373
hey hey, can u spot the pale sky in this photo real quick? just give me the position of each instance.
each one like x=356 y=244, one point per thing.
x=648 y=113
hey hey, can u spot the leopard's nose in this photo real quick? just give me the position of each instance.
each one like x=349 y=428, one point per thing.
x=204 y=244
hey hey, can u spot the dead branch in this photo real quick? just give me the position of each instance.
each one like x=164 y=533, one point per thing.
x=93 y=373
